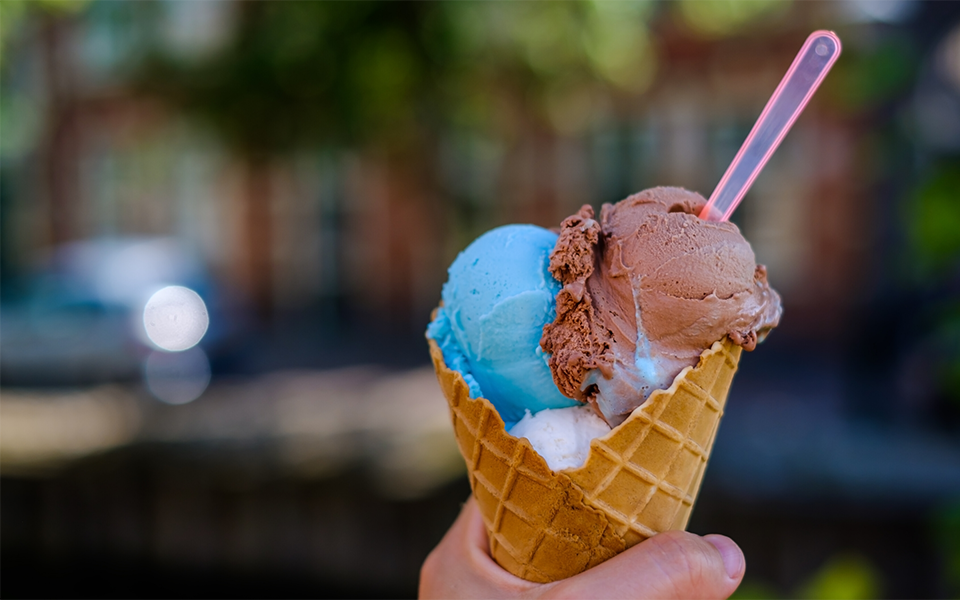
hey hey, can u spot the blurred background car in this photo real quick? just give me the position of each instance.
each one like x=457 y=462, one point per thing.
x=78 y=319
x=310 y=169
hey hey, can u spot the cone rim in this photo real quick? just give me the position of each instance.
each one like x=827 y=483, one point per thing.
x=715 y=348
x=652 y=399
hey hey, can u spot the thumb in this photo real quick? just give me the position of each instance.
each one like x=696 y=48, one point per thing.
x=673 y=564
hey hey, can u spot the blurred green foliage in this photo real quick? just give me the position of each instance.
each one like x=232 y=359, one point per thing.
x=13 y=13
x=946 y=530
x=933 y=220
x=720 y=18
x=608 y=39
x=947 y=341
x=842 y=577
x=302 y=74
x=870 y=75
x=298 y=72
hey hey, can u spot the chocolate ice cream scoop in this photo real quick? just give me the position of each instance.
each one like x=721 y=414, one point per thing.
x=645 y=290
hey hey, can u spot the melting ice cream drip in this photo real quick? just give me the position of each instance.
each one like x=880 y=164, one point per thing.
x=643 y=358
x=632 y=384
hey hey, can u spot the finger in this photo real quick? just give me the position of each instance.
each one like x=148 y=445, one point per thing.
x=461 y=565
x=673 y=564
x=476 y=531
x=478 y=553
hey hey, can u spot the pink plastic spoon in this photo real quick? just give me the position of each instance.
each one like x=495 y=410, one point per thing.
x=811 y=65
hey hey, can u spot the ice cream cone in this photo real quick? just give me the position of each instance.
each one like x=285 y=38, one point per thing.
x=640 y=479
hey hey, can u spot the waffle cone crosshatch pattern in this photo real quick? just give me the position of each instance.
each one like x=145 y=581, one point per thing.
x=639 y=480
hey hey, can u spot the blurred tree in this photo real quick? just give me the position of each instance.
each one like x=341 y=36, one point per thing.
x=20 y=120
x=388 y=78
x=14 y=12
x=299 y=74
x=303 y=75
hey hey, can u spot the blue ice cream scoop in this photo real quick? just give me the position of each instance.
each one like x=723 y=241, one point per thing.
x=498 y=296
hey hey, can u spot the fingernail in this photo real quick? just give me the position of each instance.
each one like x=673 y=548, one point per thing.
x=733 y=561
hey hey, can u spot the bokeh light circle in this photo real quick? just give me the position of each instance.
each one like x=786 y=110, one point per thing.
x=177 y=378
x=175 y=318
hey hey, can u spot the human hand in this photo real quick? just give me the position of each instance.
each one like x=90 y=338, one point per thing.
x=673 y=564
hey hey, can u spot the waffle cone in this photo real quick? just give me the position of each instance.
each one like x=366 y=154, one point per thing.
x=640 y=479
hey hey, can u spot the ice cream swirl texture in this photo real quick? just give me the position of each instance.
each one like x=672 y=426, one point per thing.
x=645 y=290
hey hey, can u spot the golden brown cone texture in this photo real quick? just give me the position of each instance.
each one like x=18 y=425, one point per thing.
x=639 y=480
